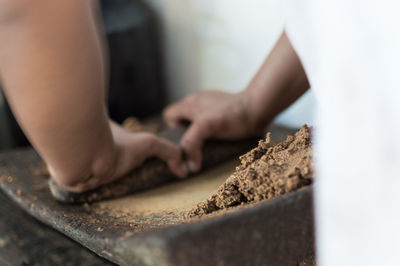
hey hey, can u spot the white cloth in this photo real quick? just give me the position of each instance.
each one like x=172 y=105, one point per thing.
x=351 y=52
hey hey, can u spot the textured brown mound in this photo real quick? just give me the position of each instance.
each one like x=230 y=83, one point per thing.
x=265 y=172
x=132 y=124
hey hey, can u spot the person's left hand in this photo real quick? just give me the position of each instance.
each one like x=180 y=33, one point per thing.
x=135 y=148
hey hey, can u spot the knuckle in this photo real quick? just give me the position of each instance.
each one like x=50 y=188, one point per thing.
x=152 y=140
x=148 y=142
x=165 y=112
x=188 y=143
x=190 y=98
x=168 y=113
x=159 y=146
x=205 y=125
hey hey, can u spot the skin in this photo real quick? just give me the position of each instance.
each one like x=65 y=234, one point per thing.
x=52 y=68
x=214 y=114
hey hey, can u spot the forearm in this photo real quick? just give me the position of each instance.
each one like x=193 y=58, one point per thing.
x=280 y=81
x=52 y=70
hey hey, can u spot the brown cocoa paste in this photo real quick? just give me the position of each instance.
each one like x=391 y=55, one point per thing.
x=265 y=172
x=132 y=124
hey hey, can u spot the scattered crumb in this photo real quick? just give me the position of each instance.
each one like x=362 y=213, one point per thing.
x=3 y=242
x=128 y=233
x=40 y=170
x=308 y=262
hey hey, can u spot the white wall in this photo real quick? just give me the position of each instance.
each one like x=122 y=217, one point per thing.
x=220 y=44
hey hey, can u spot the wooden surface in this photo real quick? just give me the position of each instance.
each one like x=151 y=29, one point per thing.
x=276 y=232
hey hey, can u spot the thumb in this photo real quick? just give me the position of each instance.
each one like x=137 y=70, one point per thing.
x=174 y=114
x=169 y=153
x=192 y=143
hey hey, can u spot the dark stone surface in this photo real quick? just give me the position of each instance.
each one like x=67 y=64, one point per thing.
x=278 y=232
x=275 y=232
x=26 y=241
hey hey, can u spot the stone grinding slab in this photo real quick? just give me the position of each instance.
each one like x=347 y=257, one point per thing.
x=276 y=232
x=24 y=240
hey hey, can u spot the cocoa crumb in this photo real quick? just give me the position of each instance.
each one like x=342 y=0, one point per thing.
x=128 y=233
x=40 y=171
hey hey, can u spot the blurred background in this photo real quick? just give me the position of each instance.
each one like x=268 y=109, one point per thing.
x=162 y=50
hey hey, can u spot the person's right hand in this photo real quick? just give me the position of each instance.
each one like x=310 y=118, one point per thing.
x=213 y=114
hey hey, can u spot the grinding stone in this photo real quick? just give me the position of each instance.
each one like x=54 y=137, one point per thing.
x=274 y=232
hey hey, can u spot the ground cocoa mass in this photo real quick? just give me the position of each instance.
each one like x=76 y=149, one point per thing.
x=132 y=124
x=265 y=172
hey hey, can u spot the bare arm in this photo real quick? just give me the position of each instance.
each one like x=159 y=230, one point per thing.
x=214 y=114
x=279 y=82
x=52 y=68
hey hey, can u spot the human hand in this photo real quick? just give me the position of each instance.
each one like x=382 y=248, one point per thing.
x=135 y=148
x=130 y=151
x=213 y=114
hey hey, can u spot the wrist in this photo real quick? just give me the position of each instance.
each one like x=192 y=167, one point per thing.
x=254 y=119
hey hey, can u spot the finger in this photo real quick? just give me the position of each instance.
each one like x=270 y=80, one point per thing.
x=193 y=140
x=174 y=114
x=169 y=153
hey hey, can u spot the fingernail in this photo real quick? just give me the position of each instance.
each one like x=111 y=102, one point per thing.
x=193 y=167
